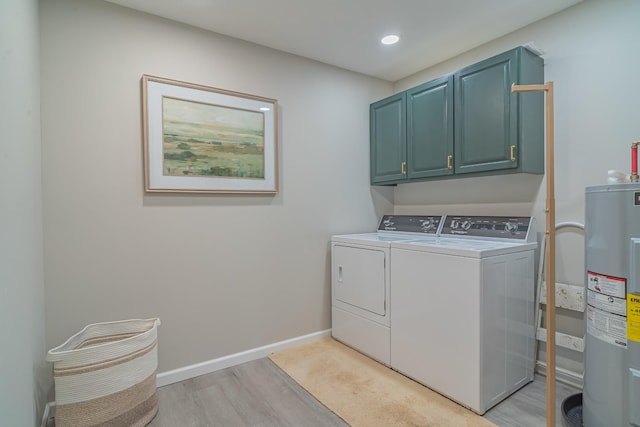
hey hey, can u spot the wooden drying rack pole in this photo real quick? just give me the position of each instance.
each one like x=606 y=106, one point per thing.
x=550 y=253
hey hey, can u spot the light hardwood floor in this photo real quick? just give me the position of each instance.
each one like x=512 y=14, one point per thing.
x=528 y=406
x=260 y=394
x=255 y=393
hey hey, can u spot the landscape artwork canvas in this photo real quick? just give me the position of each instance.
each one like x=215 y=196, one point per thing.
x=211 y=141
x=201 y=139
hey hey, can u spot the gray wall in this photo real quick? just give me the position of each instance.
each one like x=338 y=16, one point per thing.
x=24 y=376
x=592 y=58
x=224 y=274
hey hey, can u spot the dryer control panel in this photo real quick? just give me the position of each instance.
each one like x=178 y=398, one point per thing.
x=411 y=224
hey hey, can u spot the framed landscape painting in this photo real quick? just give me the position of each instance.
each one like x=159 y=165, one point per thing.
x=199 y=139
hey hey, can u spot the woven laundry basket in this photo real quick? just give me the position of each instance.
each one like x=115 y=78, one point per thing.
x=105 y=375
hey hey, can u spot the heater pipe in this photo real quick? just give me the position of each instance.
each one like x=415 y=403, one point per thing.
x=634 y=161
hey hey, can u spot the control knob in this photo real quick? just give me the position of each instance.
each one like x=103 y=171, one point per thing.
x=511 y=227
x=427 y=224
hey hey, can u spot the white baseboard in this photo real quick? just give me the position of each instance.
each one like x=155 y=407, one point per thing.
x=187 y=372
x=49 y=411
x=562 y=375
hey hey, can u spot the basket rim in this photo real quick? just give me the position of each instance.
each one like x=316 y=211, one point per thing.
x=155 y=322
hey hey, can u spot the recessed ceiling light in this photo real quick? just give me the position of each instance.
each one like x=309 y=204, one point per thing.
x=390 y=39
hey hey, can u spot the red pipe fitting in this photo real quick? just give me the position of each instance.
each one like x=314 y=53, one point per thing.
x=634 y=161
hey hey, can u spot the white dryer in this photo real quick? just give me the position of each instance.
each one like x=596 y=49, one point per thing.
x=360 y=281
x=462 y=309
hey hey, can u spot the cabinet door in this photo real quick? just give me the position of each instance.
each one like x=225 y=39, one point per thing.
x=486 y=115
x=430 y=129
x=388 y=139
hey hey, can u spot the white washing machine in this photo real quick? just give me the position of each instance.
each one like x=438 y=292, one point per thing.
x=462 y=309
x=360 y=281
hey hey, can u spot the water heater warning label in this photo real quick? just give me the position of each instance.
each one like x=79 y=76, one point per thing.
x=633 y=317
x=607 y=309
x=607 y=285
x=608 y=327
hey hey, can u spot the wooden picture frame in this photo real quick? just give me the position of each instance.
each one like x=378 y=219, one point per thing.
x=200 y=139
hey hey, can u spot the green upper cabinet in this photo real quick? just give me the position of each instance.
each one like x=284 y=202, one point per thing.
x=496 y=129
x=388 y=139
x=462 y=125
x=430 y=129
x=412 y=133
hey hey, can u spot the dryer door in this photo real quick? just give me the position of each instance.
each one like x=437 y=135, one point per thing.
x=359 y=277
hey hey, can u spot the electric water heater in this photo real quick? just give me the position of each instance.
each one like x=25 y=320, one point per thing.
x=611 y=394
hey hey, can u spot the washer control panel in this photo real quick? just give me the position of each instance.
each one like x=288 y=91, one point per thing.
x=411 y=224
x=487 y=226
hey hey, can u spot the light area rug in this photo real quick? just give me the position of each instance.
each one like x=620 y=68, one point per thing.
x=365 y=393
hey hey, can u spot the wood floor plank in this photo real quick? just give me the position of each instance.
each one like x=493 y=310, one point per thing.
x=177 y=407
x=527 y=407
x=251 y=409
x=292 y=404
x=216 y=399
x=256 y=394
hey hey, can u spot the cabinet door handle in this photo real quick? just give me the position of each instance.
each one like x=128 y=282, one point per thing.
x=404 y=168
x=449 y=161
x=513 y=153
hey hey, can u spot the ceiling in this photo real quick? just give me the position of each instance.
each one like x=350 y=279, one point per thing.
x=347 y=33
